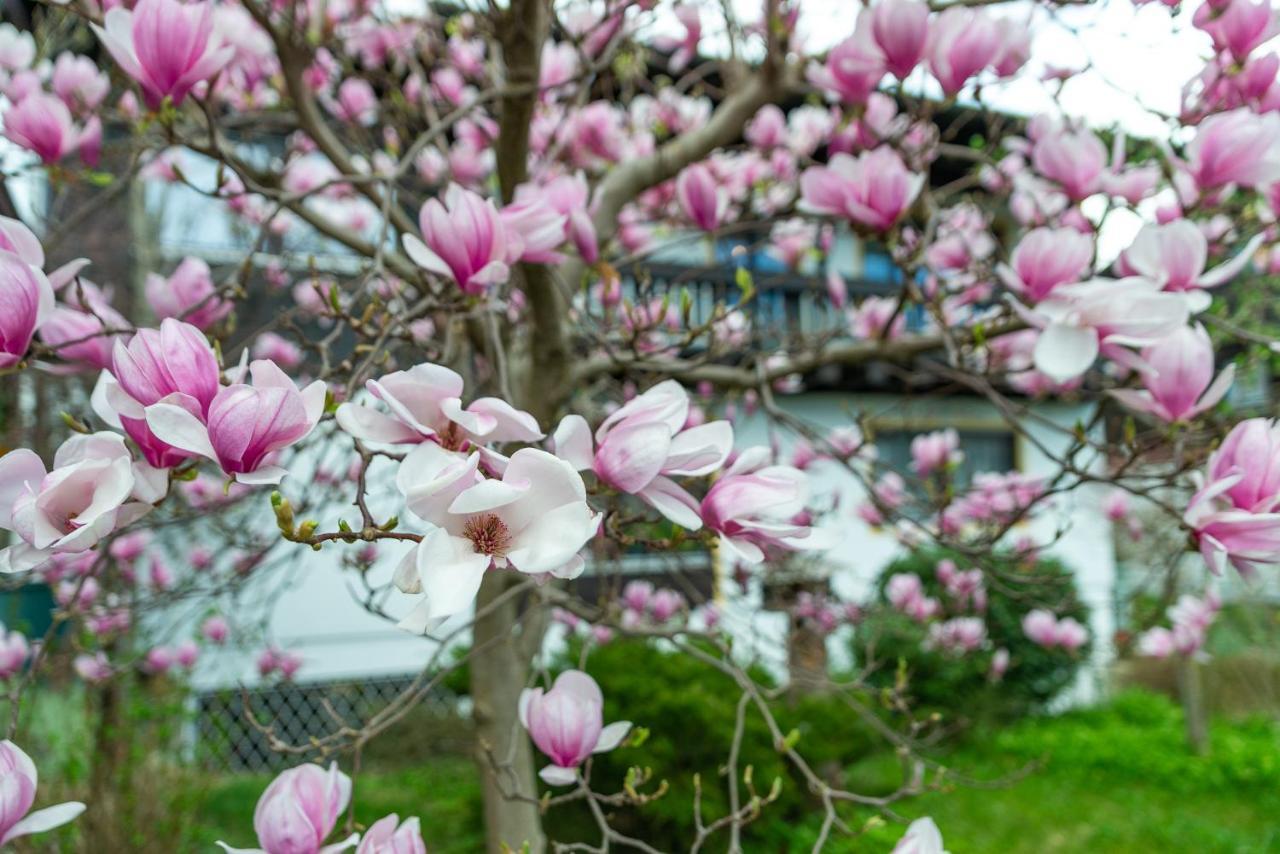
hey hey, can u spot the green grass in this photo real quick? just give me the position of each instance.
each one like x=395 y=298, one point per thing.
x=1113 y=779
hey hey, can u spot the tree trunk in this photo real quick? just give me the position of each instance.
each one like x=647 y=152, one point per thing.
x=108 y=820
x=806 y=658
x=499 y=670
x=1191 y=686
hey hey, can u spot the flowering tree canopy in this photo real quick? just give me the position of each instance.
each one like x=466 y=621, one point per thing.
x=495 y=291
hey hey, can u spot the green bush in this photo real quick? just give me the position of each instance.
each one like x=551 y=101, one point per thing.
x=690 y=709
x=960 y=685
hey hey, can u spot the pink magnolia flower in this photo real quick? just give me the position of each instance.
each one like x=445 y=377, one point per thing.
x=1075 y=159
x=173 y=365
x=534 y=230
x=18 y=782
x=80 y=84
x=685 y=49
x=17 y=48
x=922 y=837
x=962 y=42
x=702 y=197
x=568 y=195
x=768 y=128
x=244 y=424
x=1178 y=377
x=388 y=836
x=1174 y=254
x=1250 y=451
x=69 y=509
x=665 y=604
x=1157 y=643
x=1236 y=147
x=425 y=404
x=853 y=68
x=42 y=124
x=463 y=239
x=1226 y=534
x=752 y=506
x=299 y=810
x=27 y=300
x=92 y=668
x=274 y=347
x=1070 y=634
x=1045 y=258
x=877 y=317
x=1041 y=627
x=567 y=724
x=356 y=102
x=999 y=665
x=636 y=596
x=165 y=45
x=643 y=444
x=901 y=31
x=13 y=653
x=83 y=328
x=957 y=636
x=1079 y=322
x=1238 y=26
x=534 y=520
x=215 y=630
x=937 y=451
x=874 y=189
x=188 y=294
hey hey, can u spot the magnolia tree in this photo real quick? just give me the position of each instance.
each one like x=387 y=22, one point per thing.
x=492 y=388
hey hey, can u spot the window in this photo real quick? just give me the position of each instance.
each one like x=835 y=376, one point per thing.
x=984 y=451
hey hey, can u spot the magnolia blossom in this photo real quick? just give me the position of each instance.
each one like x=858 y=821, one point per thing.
x=245 y=423
x=901 y=31
x=299 y=810
x=1075 y=159
x=963 y=42
x=1191 y=618
x=534 y=520
x=68 y=510
x=1100 y=317
x=874 y=189
x=425 y=404
x=853 y=68
x=166 y=45
x=463 y=239
x=42 y=124
x=937 y=451
x=388 y=836
x=26 y=302
x=753 y=506
x=534 y=229
x=188 y=293
x=1046 y=258
x=645 y=443
x=14 y=650
x=1236 y=147
x=1046 y=630
x=1174 y=255
x=18 y=784
x=957 y=636
x=567 y=724
x=1233 y=514
x=174 y=364
x=922 y=837
x=1177 y=375
x=702 y=197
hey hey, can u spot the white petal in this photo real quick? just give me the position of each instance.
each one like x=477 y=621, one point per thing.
x=179 y=428
x=1064 y=352
x=45 y=819
x=554 y=775
x=611 y=736
x=572 y=443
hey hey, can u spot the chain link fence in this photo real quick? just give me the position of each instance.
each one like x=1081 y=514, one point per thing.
x=227 y=740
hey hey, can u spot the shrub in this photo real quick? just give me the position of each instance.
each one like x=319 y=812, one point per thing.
x=690 y=708
x=961 y=684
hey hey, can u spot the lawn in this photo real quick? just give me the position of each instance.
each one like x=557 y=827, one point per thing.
x=1117 y=778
